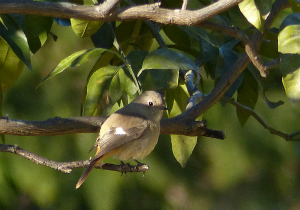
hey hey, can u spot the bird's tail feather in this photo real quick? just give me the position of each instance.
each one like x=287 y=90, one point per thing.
x=86 y=173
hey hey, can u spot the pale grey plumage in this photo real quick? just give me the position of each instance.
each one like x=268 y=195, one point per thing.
x=131 y=132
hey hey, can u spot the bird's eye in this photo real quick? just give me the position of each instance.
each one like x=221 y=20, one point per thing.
x=150 y=103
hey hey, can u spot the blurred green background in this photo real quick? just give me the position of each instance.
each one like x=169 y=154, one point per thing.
x=250 y=169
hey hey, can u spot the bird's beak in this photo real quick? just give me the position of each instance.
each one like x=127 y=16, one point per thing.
x=164 y=108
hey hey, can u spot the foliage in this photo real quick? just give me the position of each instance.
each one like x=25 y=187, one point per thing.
x=129 y=59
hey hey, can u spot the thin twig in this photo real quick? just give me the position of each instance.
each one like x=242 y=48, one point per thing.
x=287 y=137
x=67 y=167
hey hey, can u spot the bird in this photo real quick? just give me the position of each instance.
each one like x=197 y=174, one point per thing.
x=130 y=133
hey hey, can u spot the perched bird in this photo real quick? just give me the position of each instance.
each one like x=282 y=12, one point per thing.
x=131 y=132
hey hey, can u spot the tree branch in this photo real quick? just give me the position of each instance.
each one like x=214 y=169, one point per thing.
x=108 y=12
x=67 y=167
x=62 y=126
x=233 y=73
x=287 y=137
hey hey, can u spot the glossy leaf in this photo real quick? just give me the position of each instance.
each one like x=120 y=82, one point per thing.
x=37 y=29
x=15 y=37
x=167 y=59
x=182 y=146
x=288 y=46
x=252 y=13
x=97 y=99
x=77 y=59
x=105 y=87
x=10 y=65
x=247 y=95
x=85 y=28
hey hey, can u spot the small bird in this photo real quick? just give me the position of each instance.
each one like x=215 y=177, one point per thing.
x=131 y=132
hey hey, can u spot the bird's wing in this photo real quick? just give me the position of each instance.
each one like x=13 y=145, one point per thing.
x=116 y=137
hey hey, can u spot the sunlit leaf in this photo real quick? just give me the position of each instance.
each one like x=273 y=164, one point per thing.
x=247 y=95
x=15 y=37
x=77 y=59
x=85 y=28
x=10 y=65
x=252 y=13
x=182 y=146
x=289 y=47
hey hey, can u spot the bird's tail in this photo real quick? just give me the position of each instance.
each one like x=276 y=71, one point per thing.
x=86 y=173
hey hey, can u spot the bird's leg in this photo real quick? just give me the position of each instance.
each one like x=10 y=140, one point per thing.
x=124 y=168
x=141 y=167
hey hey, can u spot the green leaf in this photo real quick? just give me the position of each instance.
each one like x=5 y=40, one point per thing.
x=269 y=45
x=163 y=67
x=167 y=59
x=15 y=37
x=85 y=28
x=160 y=79
x=182 y=146
x=226 y=59
x=134 y=35
x=252 y=13
x=295 y=5
x=10 y=65
x=37 y=29
x=105 y=87
x=247 y=95
x=288 y=46
x=214 y=38
x=177 y=34
x=76 y=59
x=264 y=7
x=97 y=99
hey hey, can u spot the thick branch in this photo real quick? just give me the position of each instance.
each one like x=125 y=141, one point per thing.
x=61 y=126
x=101 y=12
x=67 y=167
